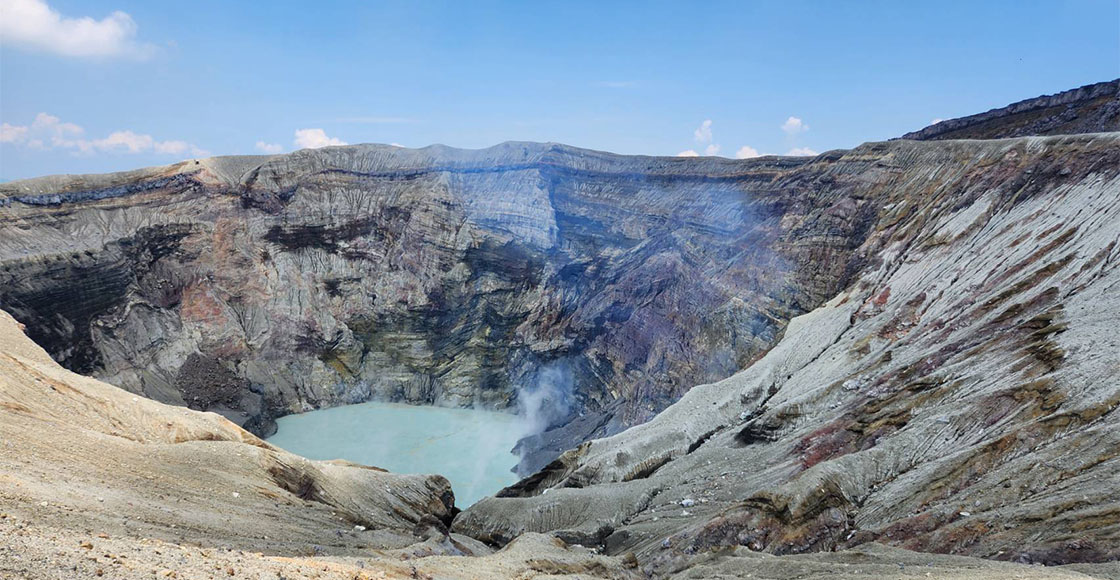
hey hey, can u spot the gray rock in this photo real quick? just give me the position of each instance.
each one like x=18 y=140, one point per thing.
x=1092 y=108
x=256 y=287
x=987 y=426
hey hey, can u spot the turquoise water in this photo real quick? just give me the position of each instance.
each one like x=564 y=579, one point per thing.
x=470 y=448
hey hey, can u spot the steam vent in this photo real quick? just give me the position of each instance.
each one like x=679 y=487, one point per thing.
x=900 y=360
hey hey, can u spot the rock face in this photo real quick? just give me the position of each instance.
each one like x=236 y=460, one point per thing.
x=960 y=396
x=926 y=332
x=261 y=286
x=1092 y=108
x=100 y=483
x=128 y=463
x=268 y=285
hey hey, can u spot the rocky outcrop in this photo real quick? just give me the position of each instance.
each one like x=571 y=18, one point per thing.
x=74 y=444
x=261 y=286
x=257 y=286
x=925 y=332
x=960 y=396
x=1092 y=108
x=98 y=482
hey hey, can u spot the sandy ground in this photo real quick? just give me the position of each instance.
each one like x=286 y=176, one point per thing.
x=97 y=483
x=32 y=551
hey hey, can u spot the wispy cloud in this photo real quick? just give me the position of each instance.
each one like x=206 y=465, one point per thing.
x=801 y=152
x=688 y=153
x=703 y=133
x=314 y=139
x=49 y=132
x=34 y=25
x=270 y=148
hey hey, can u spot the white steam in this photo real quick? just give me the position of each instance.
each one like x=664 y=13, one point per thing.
x=547 y=400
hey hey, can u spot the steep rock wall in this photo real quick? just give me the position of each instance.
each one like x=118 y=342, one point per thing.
x=261 y=286
x=77 y=449
x=961 y=396
x=258 y=286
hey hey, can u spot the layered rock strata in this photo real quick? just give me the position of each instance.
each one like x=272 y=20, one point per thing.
x=960 y=396
x=126 y=463
x=1092 y=108
x=256 y=287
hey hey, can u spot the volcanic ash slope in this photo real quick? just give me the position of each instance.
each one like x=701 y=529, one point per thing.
x=959 y=397
x=99 y=483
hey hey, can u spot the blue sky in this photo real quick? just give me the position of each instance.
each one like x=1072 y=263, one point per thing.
x=144 y=83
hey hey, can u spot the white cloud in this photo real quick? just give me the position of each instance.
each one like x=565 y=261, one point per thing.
x=395 y=144
x=125 y=140
x=50 y=128
x=173 y=147
x=703 y=133
x=801 y=152
x=936 y=121
x=49 y=132
x=52 y=123
x=34 y=25
x=794 y=125
x=270 y=148
x=44 y=130
x=12 y=133
x=314 y=139
x=747 y=152
x=130 y=142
